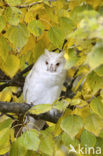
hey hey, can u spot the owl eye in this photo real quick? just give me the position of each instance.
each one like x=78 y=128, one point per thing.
x=57 y=64
x=46 y=62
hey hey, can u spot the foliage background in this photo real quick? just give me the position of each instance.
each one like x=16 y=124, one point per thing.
x=27 y=27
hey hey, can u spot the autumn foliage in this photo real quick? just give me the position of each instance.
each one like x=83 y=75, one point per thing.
x=27 y=27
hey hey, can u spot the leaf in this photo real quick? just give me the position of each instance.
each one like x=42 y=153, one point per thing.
x=66 y=25
x=56 y=36
x=4 y=48
x=18 y=35
x=29 y=140
x=4 y=141
x=11 y=66
x=41 y=108
x=72 y=125
x=94 y=81
x=12 y=15
x=95 y=57
x=99 y=146
x=31 y=153
x=13 y=2
x=94 y=124
x=73 y=58
x=100 y=10
x=47 y=143
x=2 y=23
x=101 y=134
x=67 y=140
x=61 y=105
x=6 y=94
x=36 y=27
x=99 y=70
x=97 y=106
x=5 y=136
x=88 y=139
x=5 y=124
x=17 y=150
x=78 y=10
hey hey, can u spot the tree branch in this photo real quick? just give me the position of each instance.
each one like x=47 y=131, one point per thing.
x=13 y=107
x=17 y=80
x=22 y=108
x=47 y=117
x=3 y=77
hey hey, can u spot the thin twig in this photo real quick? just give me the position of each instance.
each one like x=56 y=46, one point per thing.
x=22 y=6
x=28 y=5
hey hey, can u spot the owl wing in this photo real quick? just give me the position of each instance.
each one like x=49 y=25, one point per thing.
x=27 y=84
x=31 y=90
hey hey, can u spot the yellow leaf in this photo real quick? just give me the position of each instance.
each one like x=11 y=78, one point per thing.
x=18 y=35
x=4 y=48
x=94 y=124
x=42 y=108
x=2 y=23
x=11 y=66
x=13 y=2
x=12 y=15
x=32 y=12
x=5 y=95
x=94 y=3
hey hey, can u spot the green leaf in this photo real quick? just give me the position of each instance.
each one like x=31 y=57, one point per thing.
x=95 y=57
x=29 y=140
x=18 y=35
x=13 y=2
x=32 y=153
x=2 y=23
x=76 y=13
x=99 y=146
x=97 y=106
x=88 y=139
x=100 y=10
x=73 y=58
x=67 y=140
x=94 y=124
x=56 y=36
x=101 y=134
x=12 y=15
x=61 y=105
x=4 y=141
x=47 y=143
x=94 y=81
x=99 y=70
x=42 y=108
x=72 y=125
x=17 y=150
x=36 y=27
x=66 y=25
x=5 y=124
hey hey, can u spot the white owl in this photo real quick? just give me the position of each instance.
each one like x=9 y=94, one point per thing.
x=44 y=82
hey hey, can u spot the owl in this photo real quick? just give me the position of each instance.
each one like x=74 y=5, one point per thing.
x=44 y=82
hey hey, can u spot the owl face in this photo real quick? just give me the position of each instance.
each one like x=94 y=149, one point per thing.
x=54 y=62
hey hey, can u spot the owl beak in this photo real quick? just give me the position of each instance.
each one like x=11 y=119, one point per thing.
x=52 y=69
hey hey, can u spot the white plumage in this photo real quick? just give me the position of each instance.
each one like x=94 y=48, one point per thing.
x=44 y=82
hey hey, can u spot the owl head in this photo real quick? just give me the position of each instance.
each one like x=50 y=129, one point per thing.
x=52 y=62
